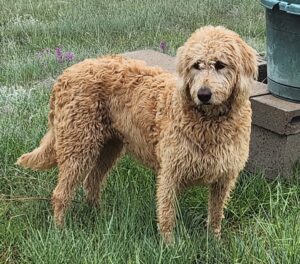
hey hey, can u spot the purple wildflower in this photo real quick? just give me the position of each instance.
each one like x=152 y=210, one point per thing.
x=163 y=46
x=59 y=54
x=69 y=56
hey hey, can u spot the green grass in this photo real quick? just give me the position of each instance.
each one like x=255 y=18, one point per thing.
x=261 y=224
x=92 y=27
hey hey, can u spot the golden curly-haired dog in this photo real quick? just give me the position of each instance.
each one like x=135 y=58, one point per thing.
x=193 y=128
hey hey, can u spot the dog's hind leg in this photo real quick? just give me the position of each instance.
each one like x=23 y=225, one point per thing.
x=71 y=174
x=94 y=181
x=80 y=136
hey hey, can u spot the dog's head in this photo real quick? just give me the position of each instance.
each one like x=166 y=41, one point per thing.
x=214 y=65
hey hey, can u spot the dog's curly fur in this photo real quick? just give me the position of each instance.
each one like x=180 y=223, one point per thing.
x=101 y=107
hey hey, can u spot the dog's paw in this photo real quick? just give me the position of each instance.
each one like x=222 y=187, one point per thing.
x=168 y=238
x=217 y=233
x=21 y=160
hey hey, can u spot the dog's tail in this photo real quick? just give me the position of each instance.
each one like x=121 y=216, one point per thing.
x=43 y=157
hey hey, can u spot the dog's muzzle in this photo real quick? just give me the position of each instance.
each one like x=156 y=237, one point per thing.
x=204 y=94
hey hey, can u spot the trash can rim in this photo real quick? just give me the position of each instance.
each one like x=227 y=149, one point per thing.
x=288 y=7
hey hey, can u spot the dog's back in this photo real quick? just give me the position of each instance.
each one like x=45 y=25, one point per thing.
x=125 y=91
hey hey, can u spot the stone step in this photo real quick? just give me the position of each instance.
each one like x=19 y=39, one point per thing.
x=275 y=137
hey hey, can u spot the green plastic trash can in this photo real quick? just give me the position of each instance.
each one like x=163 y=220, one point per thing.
x=283 y=47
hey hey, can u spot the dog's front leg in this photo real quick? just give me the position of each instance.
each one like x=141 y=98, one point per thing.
x=167 y=189
x=218 y=195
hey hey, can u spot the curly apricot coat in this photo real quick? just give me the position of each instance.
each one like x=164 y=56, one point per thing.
x=102 y=107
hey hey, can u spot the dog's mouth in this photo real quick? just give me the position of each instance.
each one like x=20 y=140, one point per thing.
x=204 y=107
x=213 y=110
x=207 y=103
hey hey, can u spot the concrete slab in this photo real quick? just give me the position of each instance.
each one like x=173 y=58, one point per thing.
x=154 y=58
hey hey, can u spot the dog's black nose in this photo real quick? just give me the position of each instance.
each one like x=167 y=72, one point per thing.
x=204 y=94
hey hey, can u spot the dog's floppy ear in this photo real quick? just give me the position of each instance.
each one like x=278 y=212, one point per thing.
x=248 y=70
x=181 y=61
x=249 y=59
x=181 y=68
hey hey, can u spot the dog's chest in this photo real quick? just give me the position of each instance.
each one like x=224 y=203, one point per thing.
x=212 y=155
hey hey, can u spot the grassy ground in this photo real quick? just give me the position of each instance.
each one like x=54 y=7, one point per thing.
x=261 y=224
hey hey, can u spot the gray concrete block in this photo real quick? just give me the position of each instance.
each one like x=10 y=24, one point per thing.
x=275 y=135
x=272 y=153
x=259 y=89
x=292 y=150
x=277 y=115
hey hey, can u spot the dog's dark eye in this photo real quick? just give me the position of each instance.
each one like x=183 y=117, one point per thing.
x=219 y=65
x=196 y=66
